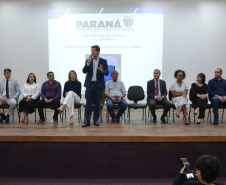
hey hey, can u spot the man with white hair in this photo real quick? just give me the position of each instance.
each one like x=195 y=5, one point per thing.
x=115 y=92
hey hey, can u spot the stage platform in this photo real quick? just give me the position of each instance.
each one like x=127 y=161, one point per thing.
x=113 y=132
x=112 y=150
x=135 y=131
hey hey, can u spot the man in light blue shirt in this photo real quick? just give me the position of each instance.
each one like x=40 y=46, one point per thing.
x=115 y=92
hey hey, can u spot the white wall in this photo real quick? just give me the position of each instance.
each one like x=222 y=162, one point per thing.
x=194 y=35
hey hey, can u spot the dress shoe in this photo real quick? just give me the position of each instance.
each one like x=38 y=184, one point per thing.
x=55 y=121
x=3 y=117
x=154 y=119
x=163 y=119
x=117 y=120
x=7 y=119
x=41 y=121
x=86 y=124
x=96 y=123
x=215 y=122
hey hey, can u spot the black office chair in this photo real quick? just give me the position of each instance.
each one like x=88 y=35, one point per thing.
x=192 y=106
x=6 y=106
x=116 y=107
x=76 y=106
x=136 y=93
x=46 y=106
x=156 y=107
x=209 y=106
x=173 y=106
x=19 y=113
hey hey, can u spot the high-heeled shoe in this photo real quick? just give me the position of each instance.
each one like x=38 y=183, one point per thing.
x=177 y=115
x=198 y=123
x=59 y=110
x=195 y=113
x=187 y=123
x=26 y=121
x=71 y=121
x=22 y=121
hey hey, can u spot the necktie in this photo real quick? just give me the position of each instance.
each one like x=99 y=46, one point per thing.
x=157 y=88
x=7 y=88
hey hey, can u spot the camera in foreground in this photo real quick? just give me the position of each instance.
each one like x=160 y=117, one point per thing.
x=188 y=173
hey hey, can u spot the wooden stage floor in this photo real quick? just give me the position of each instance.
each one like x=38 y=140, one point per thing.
x=136 y=131
x=113 y=132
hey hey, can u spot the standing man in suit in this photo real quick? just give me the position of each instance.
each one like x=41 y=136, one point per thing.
x=157 y=92
x=95 y=68
x=9 y=94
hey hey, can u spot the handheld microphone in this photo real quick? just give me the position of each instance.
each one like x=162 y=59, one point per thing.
x=90 y=58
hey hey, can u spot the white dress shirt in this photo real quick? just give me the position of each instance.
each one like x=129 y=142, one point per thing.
x=32 y=90
x=95 y=65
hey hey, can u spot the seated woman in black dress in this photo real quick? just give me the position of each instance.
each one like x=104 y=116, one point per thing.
x=198 y=96
x=207 y=170
x=31 y=93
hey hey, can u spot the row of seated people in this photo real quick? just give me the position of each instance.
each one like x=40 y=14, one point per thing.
x=115 y=92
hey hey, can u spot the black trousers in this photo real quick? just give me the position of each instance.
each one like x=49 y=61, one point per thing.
x=201 y=104
x=166 y=104
x=54 y=105
x=27 y=106
x=93 y=95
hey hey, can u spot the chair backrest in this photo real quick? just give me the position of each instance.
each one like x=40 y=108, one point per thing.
x=191 y=94
x=135 y=93
x=170 y=95
x=4 y=106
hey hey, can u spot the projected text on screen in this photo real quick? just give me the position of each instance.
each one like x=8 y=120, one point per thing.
x=130 y=39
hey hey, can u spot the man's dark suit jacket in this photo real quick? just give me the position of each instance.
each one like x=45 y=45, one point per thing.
x=100 y=76
x=151 y=89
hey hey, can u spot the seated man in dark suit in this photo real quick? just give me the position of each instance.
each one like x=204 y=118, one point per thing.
x=157 y=92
